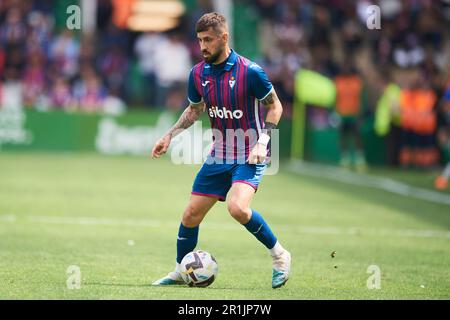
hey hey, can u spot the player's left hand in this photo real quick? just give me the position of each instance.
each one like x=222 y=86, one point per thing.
x=161 y=146
x=258 y=154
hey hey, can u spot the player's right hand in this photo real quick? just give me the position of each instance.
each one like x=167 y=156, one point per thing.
x=161 y=146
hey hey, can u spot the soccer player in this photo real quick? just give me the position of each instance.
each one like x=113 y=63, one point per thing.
x=229 y=87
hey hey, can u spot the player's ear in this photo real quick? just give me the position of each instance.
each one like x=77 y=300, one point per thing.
x=225 y=37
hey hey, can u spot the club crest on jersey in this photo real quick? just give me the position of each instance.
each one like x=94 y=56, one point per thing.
x=232 y=82
x=215 y=112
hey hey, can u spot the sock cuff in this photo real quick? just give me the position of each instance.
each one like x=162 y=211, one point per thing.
x=187 y=232
x=276 y=250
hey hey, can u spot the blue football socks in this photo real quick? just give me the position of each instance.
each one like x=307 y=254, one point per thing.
x=186 y=241
x=261 y=230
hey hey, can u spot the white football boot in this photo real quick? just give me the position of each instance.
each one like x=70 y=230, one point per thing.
x=172 y=278
x=281 y=266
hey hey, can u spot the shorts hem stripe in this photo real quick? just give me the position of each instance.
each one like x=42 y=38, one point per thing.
x=246 y=182
x=208 y=195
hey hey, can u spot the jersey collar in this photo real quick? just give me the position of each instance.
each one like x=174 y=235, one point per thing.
x=231 y=60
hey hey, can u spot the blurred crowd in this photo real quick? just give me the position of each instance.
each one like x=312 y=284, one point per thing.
x=45 y=65
x=395 y=70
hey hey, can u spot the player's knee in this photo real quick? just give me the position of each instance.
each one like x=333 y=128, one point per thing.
x=191 y=217
x=239 y=212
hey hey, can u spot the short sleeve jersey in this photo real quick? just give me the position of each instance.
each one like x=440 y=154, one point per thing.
x=231 y=91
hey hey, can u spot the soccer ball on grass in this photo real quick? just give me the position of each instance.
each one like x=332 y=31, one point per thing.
x=199 y=269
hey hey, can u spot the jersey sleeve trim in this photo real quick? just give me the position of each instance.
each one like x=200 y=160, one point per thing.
x=192 y=102
x=271 y=89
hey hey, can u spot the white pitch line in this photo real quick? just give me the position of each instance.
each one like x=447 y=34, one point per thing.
x=8 y=218
x=365 y=180
x=94 y=221
x=147 y=223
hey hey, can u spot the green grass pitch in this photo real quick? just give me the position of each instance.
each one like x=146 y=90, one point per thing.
x=116 y=218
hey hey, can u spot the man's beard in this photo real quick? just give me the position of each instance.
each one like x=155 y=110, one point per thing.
x=213 y=57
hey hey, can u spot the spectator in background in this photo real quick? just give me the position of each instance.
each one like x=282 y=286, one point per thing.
x=417 y=103
x=145 y=49
x=60 y=94
x=172 y=63
x=64 y=53
x=87 y=50
x=113 y=66
x=387 y=116
x=349 y=89
x=88 y=90
x=14 y=30
x=34 y=78
x=40 y=31
x=15 y=58
x=92 y=95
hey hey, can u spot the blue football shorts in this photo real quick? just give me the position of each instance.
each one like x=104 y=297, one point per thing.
x=215 y=179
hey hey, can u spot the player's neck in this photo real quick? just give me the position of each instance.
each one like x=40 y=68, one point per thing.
x=224 y=56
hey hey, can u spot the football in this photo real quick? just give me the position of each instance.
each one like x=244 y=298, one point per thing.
x=199 y=269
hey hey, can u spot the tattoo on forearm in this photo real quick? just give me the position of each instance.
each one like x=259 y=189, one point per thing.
x=189 y=116
x=270 y=99
x=268 y=127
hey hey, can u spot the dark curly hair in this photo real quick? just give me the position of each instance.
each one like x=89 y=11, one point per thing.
x=213 y=20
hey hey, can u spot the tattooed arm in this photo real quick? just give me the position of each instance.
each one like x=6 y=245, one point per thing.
x=274 y=113
x=259 y=151
x=189 y=116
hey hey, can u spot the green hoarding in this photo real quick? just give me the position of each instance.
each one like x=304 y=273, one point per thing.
x=135 y=133
x=132 y=133
x=62 y=131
